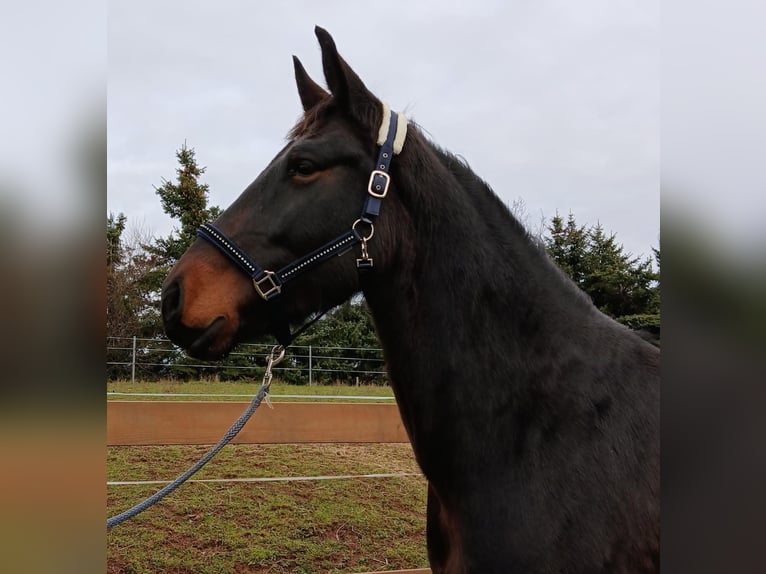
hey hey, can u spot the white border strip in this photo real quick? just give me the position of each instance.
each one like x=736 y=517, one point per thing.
x=265 y=479
x=344 y=397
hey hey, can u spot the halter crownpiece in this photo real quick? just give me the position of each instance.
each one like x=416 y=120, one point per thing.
x=391 y=136
x=268 y=284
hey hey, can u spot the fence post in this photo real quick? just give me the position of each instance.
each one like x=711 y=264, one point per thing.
x=310 y=365
x=133 y=363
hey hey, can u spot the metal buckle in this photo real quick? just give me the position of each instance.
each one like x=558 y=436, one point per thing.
x=376 y=192
x=272 y=290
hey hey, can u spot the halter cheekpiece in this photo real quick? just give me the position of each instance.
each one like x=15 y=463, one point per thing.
x=268 y=284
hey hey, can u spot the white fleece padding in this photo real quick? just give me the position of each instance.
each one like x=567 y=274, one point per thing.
x=401 y=129
x=383 y=131
x=401 y=133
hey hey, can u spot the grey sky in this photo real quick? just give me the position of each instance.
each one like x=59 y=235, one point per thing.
x=554 y=102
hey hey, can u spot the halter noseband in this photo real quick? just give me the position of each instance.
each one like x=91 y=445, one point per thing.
x=268 y=284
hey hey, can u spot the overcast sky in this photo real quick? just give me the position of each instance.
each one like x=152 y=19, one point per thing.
x=554 y=102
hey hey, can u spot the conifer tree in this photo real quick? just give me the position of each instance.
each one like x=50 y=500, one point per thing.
x=567 y=245
x=115 y=226
x=621 y=285
x=185 y=200
x=618 y=283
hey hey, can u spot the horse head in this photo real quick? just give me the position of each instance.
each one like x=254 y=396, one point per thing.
x=312 y=191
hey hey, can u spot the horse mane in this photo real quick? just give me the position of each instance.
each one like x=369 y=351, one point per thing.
x=494 y=210
x=506 y=230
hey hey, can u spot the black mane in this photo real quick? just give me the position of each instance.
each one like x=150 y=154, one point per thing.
x=504 y=230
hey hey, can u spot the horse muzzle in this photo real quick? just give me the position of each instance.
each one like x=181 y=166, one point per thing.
x=207 y=336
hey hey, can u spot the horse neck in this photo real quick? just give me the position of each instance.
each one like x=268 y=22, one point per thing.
x=470 y=297
x=461 y=252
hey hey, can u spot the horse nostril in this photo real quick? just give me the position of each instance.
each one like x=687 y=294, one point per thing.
x=171 y=303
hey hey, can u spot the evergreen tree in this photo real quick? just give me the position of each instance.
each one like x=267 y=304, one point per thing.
x=185 y=200
x=115 y=226
x=621 y=285
x=567 y=245
x=618 y=283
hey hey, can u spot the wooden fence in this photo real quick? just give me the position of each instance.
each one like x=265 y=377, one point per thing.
x=159 y=422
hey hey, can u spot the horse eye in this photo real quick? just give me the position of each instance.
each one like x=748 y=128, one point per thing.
x=302 y=168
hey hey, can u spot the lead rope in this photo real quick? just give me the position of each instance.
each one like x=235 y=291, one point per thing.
x=274 y=358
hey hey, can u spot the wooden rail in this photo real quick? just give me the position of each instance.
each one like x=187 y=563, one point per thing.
x=159 y=422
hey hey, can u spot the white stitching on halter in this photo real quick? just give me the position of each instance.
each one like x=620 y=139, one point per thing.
x=401 y=129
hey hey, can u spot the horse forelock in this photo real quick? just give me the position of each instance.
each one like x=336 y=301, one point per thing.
x=367 y=118
x=310 y=120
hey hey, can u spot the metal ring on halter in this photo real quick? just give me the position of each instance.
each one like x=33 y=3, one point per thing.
x=372 y=228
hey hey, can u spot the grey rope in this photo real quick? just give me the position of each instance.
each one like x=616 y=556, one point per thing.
x=277 y=353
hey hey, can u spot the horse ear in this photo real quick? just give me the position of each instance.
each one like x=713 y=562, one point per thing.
x=310 y=92
x=346 y=87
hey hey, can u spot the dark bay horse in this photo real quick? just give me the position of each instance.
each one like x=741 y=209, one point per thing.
x=534 y=417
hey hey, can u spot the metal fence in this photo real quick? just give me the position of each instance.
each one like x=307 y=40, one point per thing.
x=137 y=358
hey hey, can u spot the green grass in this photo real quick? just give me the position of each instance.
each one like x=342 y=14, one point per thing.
x=237 y=388
x=340 y=526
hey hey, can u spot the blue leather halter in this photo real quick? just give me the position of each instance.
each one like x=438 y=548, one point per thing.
x=268 y=284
